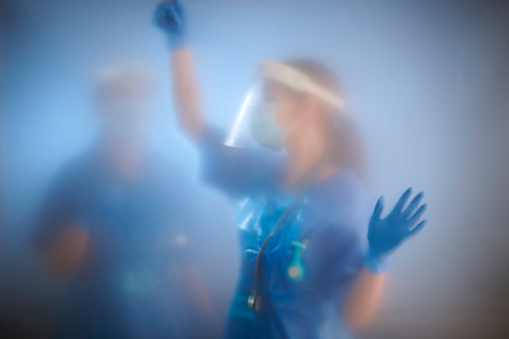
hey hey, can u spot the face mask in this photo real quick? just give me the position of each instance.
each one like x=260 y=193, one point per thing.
x=264 y=127
x=126 y=121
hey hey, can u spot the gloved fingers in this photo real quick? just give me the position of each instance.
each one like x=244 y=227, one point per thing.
x=377 y=212
x=404 y=197
x=159 y=14
x=417 y=228
x=178 y=6
x=168 y=13
x=417 y=215
x=178 y=11
x=413 y=204
x=176 y=15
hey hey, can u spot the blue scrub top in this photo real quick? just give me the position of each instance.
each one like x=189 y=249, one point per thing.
x=331 y=216
x=139 y=242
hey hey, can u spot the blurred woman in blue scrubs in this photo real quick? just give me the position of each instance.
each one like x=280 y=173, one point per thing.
x=313 y=261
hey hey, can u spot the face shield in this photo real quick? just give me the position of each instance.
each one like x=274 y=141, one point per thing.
x=257 y=120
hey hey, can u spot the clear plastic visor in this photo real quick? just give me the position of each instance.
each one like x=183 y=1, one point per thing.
x=257 y=99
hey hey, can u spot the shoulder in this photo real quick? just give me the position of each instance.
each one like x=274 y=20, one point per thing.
x=167 y=175
x=339 y=196
x=351 y=202
x=73 y=172
x=339 y=205
x=163 y=166
x=348 y=183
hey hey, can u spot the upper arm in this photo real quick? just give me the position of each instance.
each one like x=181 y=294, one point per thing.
x=237 y=171
x=339 y=244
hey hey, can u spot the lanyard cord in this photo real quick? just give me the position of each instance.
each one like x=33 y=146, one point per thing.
x=300 y=188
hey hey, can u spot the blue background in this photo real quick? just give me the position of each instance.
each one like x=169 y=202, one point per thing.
x=426 y=82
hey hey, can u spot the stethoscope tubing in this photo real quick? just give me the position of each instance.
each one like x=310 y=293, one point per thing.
x=300 y=189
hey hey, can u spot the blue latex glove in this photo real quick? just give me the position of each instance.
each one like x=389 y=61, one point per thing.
x=387 y=234
x=169 y=16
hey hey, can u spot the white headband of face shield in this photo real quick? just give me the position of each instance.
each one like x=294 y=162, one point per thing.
x=287 y=76
x=298 y=81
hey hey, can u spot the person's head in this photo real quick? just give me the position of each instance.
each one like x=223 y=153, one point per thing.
x=312 y=124
x=123 y=97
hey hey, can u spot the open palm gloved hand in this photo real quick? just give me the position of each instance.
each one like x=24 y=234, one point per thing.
x=387 y=234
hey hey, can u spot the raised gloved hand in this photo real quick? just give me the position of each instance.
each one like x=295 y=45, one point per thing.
x=385 y=235
x=170 y=18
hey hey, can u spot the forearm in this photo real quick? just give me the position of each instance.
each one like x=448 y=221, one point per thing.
x=363 y=299
x=65 y=253
x=197 y=290
x=384 y=236
x=186 y=93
